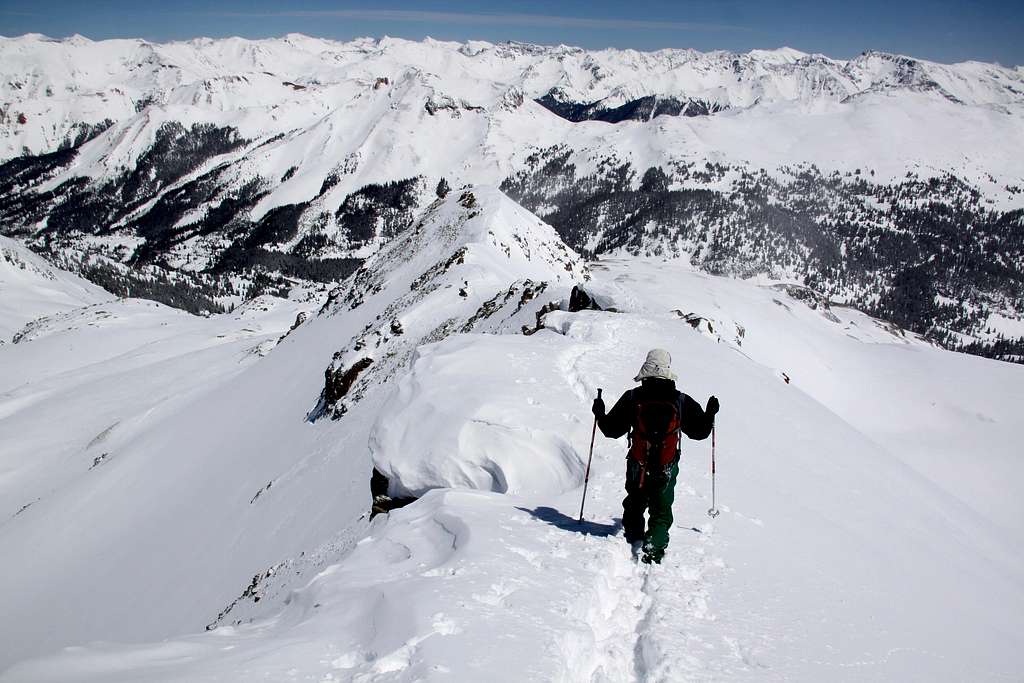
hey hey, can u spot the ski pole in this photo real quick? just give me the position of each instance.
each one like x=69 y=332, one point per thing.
x=713 y=511
x=586 y=477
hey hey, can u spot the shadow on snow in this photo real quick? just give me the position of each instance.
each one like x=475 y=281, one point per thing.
x=562 y=521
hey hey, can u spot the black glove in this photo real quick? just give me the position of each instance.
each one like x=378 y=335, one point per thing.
x=712 y=408
x=598 y=408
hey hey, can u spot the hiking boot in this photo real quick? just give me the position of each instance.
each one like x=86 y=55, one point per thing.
x=652 y=555
x=635 y=548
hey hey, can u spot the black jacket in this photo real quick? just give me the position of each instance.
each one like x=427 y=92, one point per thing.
x=695 y=423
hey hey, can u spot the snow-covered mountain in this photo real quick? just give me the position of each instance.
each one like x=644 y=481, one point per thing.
x=200 y=513
x=382 y=238
x=59 y=85
x=223 y=168
x=186 y=461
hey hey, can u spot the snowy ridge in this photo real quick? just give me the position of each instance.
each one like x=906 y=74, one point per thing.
x=196 y=420
x=475 y=261
x=828 y=519
x=493 y=241
x=165 y=474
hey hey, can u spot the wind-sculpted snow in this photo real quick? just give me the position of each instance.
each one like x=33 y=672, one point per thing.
x=165 y=473
x=452 y=422
x=838 y=554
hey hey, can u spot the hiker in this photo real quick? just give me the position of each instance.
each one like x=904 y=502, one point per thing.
x=653 y=414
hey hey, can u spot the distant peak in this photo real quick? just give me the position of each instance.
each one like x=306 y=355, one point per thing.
x=887 y=56
x=32 y=38
x=781 y=53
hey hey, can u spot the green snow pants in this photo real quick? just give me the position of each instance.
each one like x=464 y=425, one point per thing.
x=652 y=491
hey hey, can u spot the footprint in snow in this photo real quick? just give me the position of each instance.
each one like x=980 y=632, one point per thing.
x=496 y=596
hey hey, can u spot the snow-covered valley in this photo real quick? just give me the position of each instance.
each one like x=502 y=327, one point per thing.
x=156 y=464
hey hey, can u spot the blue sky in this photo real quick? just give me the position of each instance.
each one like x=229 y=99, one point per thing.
x=942 y=30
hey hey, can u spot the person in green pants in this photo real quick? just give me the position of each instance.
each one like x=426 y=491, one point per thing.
x=654 y=415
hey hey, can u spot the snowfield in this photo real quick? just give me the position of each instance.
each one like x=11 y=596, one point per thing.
x=869 y=530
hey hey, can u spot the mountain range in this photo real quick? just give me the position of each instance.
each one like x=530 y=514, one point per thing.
x=202 y=173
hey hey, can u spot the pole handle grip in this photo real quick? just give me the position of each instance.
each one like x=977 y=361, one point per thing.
x=599 y=392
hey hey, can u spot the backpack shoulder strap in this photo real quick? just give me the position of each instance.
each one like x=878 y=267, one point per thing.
x=680 y=402
x=636 y=409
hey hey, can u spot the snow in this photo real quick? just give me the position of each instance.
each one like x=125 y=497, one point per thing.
x=1005 y=325
x=129 y=386
x=424 y=438
x=31 y=288
x=869 y=525
x=882 y=112
x=152 y=462
x=213 y=471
